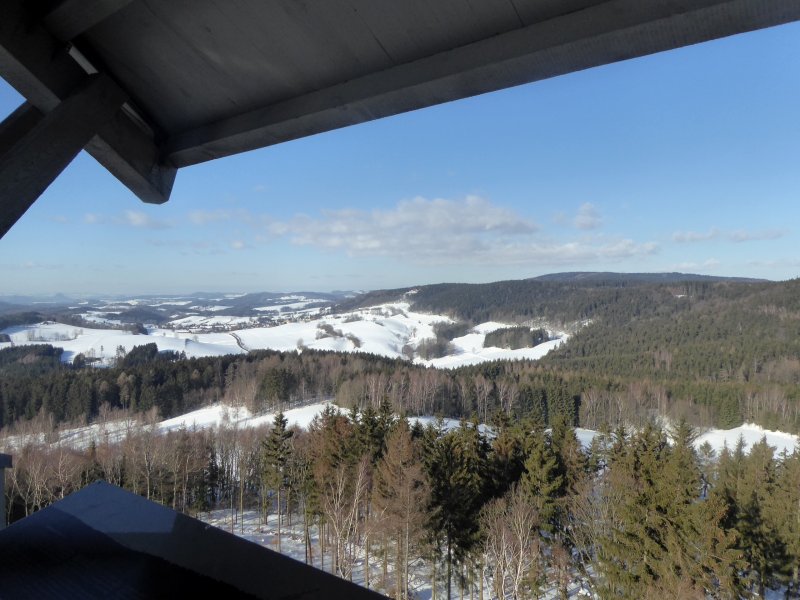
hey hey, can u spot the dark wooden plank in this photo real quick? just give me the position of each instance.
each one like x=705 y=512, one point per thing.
x=104 y=542
x=70 y=18
x=414 y=29
x=609 y=32
x=44 y=149
x=34 y=62
x=17 y=124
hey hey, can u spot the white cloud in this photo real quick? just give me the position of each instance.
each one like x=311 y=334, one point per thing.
x=130 y=218
x=206 y=217
x=441 y=231
x=587 y=217
x=781 y=262
x=31 y=264
x=141 y=220
x=203 y=217
x=417 y=227
x=755 y=236
x=738 y=236
x=695 y=236
x=707 y=265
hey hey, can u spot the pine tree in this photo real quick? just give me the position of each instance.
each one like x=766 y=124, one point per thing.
x=784 y=506
x=700 y=554
x=630 y=547
x=456 y=464
x=760 y=540
x=572 y=467
x=401 y=496
x=507 y=459
x=543 y=479
x=276 y=453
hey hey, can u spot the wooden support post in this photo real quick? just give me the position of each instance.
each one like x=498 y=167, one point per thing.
x=35 y=149
x=5 y=463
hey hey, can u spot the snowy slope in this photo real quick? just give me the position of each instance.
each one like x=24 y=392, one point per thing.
x=389 y=330
x=751 y=434
x=103 y=343
x=719 y=438
x=470 y=349
x=222 y=415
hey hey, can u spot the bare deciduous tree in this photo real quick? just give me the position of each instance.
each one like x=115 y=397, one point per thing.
x=512 y=547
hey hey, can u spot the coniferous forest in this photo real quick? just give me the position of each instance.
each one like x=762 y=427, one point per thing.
x=512 y=512
x=639 y=514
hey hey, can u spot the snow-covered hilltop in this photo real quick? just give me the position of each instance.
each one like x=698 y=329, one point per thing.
x=392 y=330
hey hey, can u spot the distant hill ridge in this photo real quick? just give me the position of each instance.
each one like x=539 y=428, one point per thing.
x=673 y=277
x=560 y=297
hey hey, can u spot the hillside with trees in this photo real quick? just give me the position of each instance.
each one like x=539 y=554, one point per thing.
x=717 y=354
x=639 y=514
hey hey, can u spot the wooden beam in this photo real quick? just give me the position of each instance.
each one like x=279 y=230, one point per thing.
x=45 y=146
x=134 y=159
x=72 y=17
x=17 y=124
x=34 y=62
x=607 y=32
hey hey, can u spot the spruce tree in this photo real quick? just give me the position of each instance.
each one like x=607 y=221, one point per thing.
x=543 y=479
x=760 y=540
x=276 y=452
x=456 y=463
x=507 y=459
x=784 y=507
x=401 y=496
x=700 y=555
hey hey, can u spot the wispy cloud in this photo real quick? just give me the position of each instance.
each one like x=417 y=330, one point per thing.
x=781 y=262
x=29 y=265
x=588 y=217
x=695 y=236
x=707 y=265
x=756 y=236
x=142 y=220
x=442 y=231
x=415 y=227
x=204 y=217
x=130 y=218
x=208 y=217
x=738 y=236
x=188 y=247
x=58 y=219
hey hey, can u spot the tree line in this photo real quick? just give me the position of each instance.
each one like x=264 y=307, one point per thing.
x=33 y=379
x=637 y=514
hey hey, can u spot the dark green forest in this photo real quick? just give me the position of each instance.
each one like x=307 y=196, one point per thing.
x=635 y=515
x=641 y=513
x=718 y=353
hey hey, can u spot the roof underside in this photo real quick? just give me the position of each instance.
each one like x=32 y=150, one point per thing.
x=104 y=542
x=210 y=78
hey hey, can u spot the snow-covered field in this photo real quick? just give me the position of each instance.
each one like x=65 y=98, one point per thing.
x=470 y=351
x=103 y=343
x=389 y=330
x=751 y=434
x=250 y=526
x=213 y=416
x=222 y=415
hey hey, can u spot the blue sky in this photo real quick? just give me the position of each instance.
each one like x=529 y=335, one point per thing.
x=683 y=161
